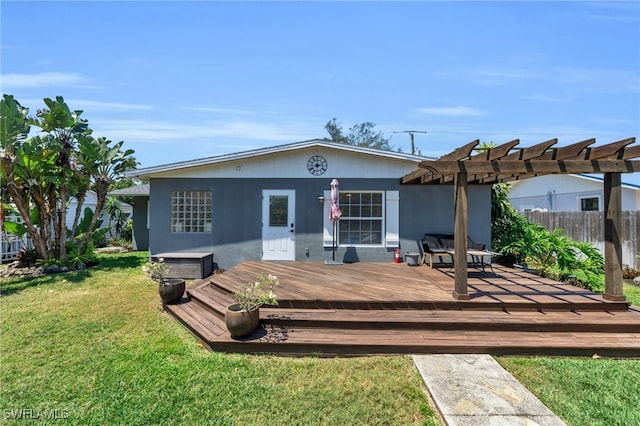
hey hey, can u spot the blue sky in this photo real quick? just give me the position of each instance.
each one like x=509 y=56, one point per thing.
x=185 y=80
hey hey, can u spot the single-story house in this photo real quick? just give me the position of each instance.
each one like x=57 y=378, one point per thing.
x=567 y=192
x=274 y=204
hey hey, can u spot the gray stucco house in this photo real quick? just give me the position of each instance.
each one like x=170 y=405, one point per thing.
x=273 y=204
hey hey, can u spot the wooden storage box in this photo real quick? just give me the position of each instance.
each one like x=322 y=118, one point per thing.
x=187 y=265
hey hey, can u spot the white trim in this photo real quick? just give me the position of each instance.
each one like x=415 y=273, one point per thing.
x=327 y=225
x=383 y=219
x=392 y=219
x=585 y=197
x=279 y=242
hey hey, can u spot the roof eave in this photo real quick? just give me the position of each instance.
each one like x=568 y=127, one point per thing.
x=149 y=171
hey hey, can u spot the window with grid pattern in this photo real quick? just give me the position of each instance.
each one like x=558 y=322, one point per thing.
x=362 y=218
x=191 y=211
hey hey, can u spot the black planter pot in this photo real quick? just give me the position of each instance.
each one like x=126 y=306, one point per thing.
x=171 y=291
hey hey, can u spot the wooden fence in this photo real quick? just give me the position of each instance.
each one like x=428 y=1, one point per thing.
x=589 y=227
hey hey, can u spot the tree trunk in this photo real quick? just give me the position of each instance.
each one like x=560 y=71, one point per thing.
x=101 y=189
x=76 y=219
x=61 y=225
x=38 y=242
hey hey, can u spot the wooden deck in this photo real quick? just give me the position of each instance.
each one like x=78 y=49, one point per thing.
x=386 y=308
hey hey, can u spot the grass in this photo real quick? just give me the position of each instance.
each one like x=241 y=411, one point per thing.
x=632 y=292
x=584 y=391
x=94 y=347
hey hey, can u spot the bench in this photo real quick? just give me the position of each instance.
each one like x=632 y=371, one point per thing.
x=187 y=265
x=442 y=245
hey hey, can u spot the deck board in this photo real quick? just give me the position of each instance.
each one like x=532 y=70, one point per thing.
x=387 y=308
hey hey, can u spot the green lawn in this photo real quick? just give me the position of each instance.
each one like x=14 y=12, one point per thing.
x=96 y=347
x=585 y=391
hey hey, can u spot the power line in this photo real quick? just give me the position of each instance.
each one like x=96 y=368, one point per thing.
x=411 y=133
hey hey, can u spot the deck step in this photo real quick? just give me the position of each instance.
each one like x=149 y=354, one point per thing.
x=465 y=305
x=338 y=341
x=332 y=342
x=442 y=334
x=214 y=300
x=211 y=299
x=341 y=299
x=606 y=322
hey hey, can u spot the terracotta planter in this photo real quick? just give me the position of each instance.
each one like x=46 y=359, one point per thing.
x=241 y=323
x=171 y=291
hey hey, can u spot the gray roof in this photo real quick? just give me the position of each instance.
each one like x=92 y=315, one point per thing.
x=275 y=149
x=139 y=191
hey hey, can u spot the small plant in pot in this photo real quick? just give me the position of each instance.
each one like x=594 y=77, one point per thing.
x=242 y=317
x=170 y=289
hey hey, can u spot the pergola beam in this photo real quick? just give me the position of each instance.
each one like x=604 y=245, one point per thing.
x=533 y=167
x=569 y=151
x=495 y=153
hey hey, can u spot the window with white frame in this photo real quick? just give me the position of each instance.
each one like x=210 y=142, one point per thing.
x=191 y=211
x=362 y=221
x=589 y=204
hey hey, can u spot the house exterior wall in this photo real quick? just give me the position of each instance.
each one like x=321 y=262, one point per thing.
x=564 y=192
x=293 y=164
x=140 y=223
x=236 y=233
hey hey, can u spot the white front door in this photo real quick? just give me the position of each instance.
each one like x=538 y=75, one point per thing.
x=278 y=224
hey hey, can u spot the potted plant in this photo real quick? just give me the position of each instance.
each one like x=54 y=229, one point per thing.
x=242 y=317
x=171 y=290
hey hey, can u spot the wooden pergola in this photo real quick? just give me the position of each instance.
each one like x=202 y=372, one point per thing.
x=507 y=162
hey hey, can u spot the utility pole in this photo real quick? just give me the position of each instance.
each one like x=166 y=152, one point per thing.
x=411 y=133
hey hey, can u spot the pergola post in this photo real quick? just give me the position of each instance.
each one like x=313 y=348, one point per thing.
x=460 y=237
x=612 y=237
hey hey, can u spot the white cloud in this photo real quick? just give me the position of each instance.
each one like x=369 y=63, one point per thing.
x=220 y=110
x=457 y=111
x=108 y=106
x=43 y=79
x=166 y=132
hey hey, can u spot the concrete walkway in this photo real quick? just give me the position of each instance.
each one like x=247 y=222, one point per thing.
x=474 y=390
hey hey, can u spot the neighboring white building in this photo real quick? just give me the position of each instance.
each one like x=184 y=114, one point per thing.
x=10 y=245
x=568 y=193
x=91 y=200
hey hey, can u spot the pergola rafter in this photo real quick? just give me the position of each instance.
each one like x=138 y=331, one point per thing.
x=508 y=162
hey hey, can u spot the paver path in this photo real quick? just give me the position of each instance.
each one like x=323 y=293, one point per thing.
x=474 y=390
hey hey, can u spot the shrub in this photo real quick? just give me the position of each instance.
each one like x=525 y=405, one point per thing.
x=629 y=273
x=26 y=257
x=86 y=255
x=555 y=254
